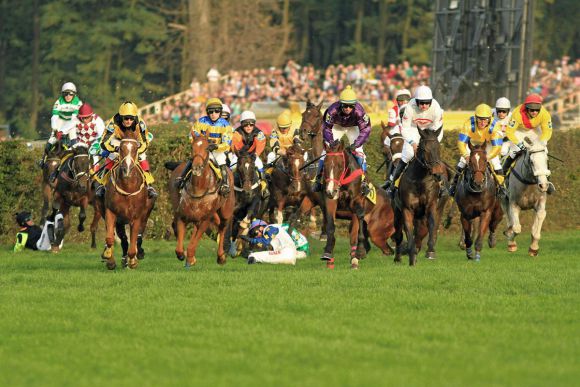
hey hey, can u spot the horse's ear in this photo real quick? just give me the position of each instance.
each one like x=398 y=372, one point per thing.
x=319 y=106
x=421 y=134
x=308 y=103
x=383 y=125
x=470 y=146
x=438 y=131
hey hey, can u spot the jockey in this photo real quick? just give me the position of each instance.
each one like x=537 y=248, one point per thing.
x=274 y=237
x=422 y=113
x=249 y=138
x=347 y=116
x=396 y=113
x=64 y=109
x=528 y=119
x=34 y=237
x=226 y=112
x=219 y=133
x=502 y=113
x=88 y=127
x=281 y=139
x=126 y=119
x=478 y=129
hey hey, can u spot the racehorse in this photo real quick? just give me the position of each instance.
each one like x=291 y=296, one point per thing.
x=249 y=203
x=200 y=203
x=527 y=186
x=343 y=199
x=476 y=198
x=310 y=129
x=417 y=204
x=50 y=167
x=126 y=201
x=290 y=186
x=392 y=153
x=72 y=187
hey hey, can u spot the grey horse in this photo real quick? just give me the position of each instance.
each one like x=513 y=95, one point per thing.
x=527 y=187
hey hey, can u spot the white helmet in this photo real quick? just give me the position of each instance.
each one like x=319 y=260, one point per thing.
x=503 y=103
x=247 y=115
x=69 y=86
x=423 y=93
x=226 y=109
x=402 y=92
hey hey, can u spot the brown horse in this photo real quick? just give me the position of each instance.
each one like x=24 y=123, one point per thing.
x=418 y=201
x=49 y=168
x=126 y=201
x=200 y=203
x=310 y=129
x=476 y=197
x=343 y=199
x=72 y=188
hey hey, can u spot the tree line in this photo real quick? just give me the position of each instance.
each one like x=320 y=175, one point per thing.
x=143 y=50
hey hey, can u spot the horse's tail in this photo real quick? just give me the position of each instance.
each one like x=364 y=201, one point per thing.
x=171 y=165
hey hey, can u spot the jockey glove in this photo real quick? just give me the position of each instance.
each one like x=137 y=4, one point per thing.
x=211 y=147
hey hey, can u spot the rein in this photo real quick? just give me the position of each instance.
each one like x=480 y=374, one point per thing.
x=344 y=179
x=116 y=168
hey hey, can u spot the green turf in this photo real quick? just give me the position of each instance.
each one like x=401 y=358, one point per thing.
x=509 y=320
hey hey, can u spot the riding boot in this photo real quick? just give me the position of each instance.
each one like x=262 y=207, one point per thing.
x=100 y=191
x=500 y=179
x=318 y=186
x=264 y=184
x=507 y=163
x=453 y=185
x=181 y=179
x=225 y=185
x=390 y=183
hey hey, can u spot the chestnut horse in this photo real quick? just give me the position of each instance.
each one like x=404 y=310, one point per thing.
x=476 y=198
x=200 y=203
x=126 y=201
x=418 y=202
x=343 y=199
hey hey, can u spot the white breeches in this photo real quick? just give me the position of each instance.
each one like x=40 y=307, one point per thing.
x=286 y=256
x=412 y=135
x=406 y=154
x=44 y=242
x=533 y=135
x=505 y=148
x=495 y=162
x=272 y=156
x=351 y=133
x=219 y=158
x=63 y=126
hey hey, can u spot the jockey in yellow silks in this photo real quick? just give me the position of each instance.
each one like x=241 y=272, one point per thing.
x=531 y=120
x=126 y=119
x=219 y=133
x=478 y=129
x=281 y=138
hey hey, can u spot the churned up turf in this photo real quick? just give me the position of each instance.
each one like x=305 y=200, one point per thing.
x=508 y=320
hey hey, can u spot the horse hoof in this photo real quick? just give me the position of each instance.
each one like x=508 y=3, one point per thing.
x=80 y=228
x=180 y=256
x=461 y=245
x=330 y=263
x=533 y=252
x=111 y=264
x=354 y=264
x=491 y=241
x=477 y=256
x=133 y=263
x=430 y=255
x=469 y=253
x=192 y=261
x=221 y=260
x=125 y=262
x=512 y=248
x=107 y=253
x=140 y=254
x=323 y=238
x=412 y=261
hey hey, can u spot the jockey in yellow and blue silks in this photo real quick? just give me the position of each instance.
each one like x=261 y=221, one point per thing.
x=126 y=119
x=219 y=133
x=478 y=129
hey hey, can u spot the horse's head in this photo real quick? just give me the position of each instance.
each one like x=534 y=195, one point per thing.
x=295 y=156
x=428 y=150
x=538 y=156
x=128 y=150
x=311 y=120
x=478 y=164
x=334 y=168
x=246 y=169
x=199 y=154
x=80 y=167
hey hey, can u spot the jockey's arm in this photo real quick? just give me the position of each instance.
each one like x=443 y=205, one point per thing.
x=274 y=143
x=260 y=140
x=108 y=143
x=327 y=125
x=496 y=143
x=226 y=143
x=99 y=127
x=510 y=130
x=546 y=126
x=364 y=126
x=463 y=139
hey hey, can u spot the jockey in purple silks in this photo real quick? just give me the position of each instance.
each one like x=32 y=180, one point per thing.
x=346 y=117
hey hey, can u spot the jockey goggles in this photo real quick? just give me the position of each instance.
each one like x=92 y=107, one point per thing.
x=347 y=106
x=423 y=102
x=214 y=110
x=67 y=93
x=505 y=111
x=127 y=118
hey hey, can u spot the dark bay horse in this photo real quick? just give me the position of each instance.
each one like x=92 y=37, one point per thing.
x=343 y=199
x=200 y=203
x=311 y=129
x=527 y=186
x=476 y=198
x=126 y=202
x=391 y=153
x=72 y=188
x=417 y=204
x=49 y=168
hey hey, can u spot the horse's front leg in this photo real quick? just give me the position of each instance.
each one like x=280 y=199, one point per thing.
x=484 y=219
x=107 y=254
x=46 y=199
x=330 y=228
x=122 y=234
x=432 y=218
x=223 y=227
x=179 y=228
x=408 y=224
x=132 y=252
x=196 y=236
x=83 y=214
x=537 y=226
x=360 y=237
x=516 y=227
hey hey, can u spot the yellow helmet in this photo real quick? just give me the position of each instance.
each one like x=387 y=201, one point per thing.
x=483 y=111
x=284 y=120
x=128 y=108
x=213 y=102
x=348 y=96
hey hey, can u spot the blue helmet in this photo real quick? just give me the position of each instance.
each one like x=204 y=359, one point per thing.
x=257 y=223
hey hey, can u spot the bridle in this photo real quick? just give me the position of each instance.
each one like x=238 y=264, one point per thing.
x=421 y=151
x=115 y=170
x=344 y=179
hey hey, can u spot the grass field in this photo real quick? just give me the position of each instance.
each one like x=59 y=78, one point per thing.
x=509 y=320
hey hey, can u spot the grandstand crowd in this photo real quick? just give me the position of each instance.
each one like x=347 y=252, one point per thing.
x=375 y=85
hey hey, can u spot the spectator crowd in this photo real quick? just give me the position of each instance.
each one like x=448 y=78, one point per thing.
x=375 y=85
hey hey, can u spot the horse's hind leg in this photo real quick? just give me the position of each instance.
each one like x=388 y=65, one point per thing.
x=196 y=236
x=82 y=218
x=484 y=220
x=223 y=233
x=466 y=225
x=94 y=227
x=496 y=218
x=132 y=251
x=432 y=219
x=122 y=234
x=537 y=227
x=515 y=227
x=179 y=229
x=107 y=254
